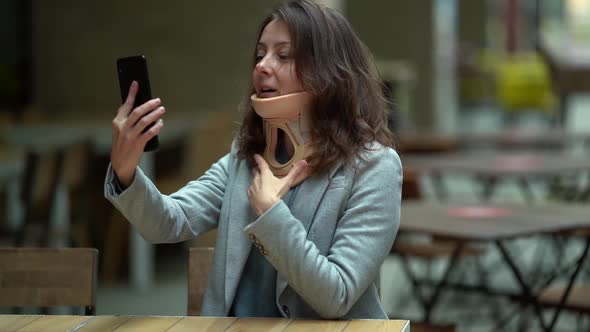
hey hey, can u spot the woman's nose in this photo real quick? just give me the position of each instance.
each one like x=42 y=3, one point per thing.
x=264 y=65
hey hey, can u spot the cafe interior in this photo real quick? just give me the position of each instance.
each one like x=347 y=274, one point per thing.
x=488 y=101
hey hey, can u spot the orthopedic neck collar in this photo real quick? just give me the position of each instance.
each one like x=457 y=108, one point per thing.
x=290 y=114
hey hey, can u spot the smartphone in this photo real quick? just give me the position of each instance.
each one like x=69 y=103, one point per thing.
x=134 y=68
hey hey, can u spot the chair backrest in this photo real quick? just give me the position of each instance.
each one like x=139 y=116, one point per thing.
x=411 y=188
x=46 y=277
x=199 y=264
x=427 y=327
x=40 y=180
x=77 y=163
x=76 y=176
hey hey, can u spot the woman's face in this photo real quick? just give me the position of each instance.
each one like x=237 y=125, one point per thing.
x=274 y=74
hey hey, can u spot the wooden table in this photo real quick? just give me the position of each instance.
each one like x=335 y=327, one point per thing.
x=491 y=168
x=35 y=323
x=496 y=224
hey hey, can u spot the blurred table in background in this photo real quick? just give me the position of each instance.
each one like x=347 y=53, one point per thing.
x=491 y=168
x=506 y=139
x=33 y=323
x=497 y=224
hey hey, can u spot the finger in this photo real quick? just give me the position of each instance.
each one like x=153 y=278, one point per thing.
x=262 y=165
x=255 y=172
x=142 y=110
x=128 y=104
x=298 y=168
x=148 y=119
x=132 y=93
x=153 y=131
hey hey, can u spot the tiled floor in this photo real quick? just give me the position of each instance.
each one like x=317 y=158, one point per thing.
x=168 y=294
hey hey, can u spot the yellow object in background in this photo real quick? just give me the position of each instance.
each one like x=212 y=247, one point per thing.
x=514 y=82
x=523 y=82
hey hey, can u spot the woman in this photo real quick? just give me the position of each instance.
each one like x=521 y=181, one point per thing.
x=306 y=203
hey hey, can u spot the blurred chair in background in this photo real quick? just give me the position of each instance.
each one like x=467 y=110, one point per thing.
x=77 y=169
x=578 y=300
x=425 y=327
x=48 y=170
x=411 y=188
x=41 y=177
x=569 y=65
x=475 y=76
x=42 y=277
x=199 y=264
x=12 y=160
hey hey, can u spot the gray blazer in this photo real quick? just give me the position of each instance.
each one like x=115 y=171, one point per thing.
x=327 y=249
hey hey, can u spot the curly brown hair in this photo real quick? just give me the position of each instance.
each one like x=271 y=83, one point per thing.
x=350 y=110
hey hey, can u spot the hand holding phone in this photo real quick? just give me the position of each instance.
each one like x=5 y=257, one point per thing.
x=131 y=69
x=135 y=125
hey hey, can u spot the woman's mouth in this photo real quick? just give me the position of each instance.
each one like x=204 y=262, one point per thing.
x=268 y=93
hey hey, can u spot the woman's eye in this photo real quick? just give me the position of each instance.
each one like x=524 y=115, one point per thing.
x=259 y=58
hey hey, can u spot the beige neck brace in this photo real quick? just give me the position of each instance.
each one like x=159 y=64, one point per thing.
x=290 y=114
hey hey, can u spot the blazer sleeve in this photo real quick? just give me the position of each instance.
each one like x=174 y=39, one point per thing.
x=159 y=218
x=332 y=284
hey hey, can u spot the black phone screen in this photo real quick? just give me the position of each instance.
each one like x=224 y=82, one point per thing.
x=134 y=68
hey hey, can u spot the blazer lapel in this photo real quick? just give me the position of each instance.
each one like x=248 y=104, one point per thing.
x=308 y=198
x=304 y=206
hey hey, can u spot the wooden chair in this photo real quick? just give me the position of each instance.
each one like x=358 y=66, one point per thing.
x=578 y=299
x=46 y=277
x=411 y=185
x=199 y=264
x=420 y=143
x=42 y=174
x=577 y=302
x=76 y=170
x=426 y=327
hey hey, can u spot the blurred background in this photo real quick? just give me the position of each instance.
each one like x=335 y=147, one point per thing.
x=474 y=77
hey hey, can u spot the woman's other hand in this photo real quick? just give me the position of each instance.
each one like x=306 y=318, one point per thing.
x=266 y=189
x=129 y=138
